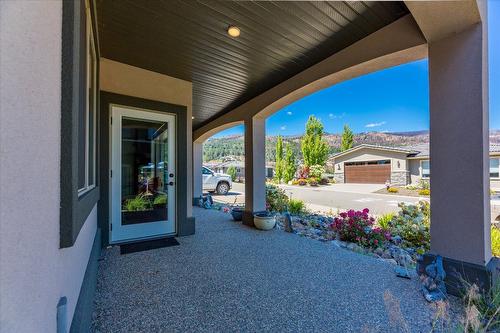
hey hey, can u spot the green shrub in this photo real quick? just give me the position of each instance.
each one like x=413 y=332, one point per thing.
x=276 y=199
x=424 y=184
x=385 y=220
x=316 y=171
x=495 y=242
x=296 y=206
x=160 y=200
x=412 y=225
x=312 y=181
x=392 y=190
x=424 y=192
x=295 y=182
x=232 y=172
x=139 y=203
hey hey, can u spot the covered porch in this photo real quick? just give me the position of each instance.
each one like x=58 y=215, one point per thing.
x=83 y=79
x=231 y=277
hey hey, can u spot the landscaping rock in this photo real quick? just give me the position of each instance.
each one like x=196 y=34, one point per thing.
x=391 y=261
x=387 y=254
x=379 y=251
x=396 y=240
x=287 y=222
x=339 y=244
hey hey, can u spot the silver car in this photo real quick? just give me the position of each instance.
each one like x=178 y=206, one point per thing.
x=216 y=182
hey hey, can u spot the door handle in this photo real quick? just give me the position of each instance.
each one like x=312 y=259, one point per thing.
x=171 y=175
x=171 y=183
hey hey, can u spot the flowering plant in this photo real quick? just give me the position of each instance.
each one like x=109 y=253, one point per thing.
x=412 y=224
x=357 y=227
x=304 y=172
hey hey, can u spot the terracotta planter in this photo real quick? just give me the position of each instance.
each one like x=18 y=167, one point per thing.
x=264 y=221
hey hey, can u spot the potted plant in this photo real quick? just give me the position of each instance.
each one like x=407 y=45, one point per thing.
x=237 y=211
x=264 y=220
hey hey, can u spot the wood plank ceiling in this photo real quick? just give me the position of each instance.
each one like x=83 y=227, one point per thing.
x=188 y=40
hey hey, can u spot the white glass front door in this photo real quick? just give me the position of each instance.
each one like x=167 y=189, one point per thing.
x=143 y=174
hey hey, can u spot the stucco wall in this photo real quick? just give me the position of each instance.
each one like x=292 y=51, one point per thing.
x=124 y=79
x=370 y=154
x=415 y=171
x=34 y=272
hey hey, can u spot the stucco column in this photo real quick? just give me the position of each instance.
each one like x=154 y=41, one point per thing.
x=197 y=169
x=255 y=168
x=459 y=136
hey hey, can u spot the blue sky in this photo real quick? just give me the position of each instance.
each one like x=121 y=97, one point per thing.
x=394 y=100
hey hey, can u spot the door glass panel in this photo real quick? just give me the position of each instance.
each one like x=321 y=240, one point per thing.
x=144 y=171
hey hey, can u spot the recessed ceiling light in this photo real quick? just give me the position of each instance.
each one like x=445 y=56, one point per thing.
x=233 y=31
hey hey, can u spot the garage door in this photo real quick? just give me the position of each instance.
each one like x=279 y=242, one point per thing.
x=373 y=172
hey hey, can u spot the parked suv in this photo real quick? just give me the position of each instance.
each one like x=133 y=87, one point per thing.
x=216 y=182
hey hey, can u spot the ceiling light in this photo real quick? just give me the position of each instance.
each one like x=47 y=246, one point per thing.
x=192 y=117
x=233 y=31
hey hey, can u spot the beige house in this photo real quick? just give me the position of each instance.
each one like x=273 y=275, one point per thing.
x=395 y=165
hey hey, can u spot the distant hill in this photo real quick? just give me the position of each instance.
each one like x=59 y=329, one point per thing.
x=216 y=148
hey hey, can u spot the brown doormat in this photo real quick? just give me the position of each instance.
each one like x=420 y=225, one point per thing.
x=148 y=245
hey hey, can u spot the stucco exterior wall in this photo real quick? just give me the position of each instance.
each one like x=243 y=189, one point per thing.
x=34 y=271
x=415 y=171
x=120 y=78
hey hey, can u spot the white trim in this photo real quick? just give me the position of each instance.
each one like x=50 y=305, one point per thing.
x=91 y=74
x=120 y=233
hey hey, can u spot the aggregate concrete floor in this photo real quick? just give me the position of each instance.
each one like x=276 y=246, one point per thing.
x=229 y=277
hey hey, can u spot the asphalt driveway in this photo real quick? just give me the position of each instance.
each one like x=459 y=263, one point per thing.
x=333 y=197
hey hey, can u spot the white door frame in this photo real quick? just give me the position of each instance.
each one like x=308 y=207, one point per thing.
x=118 y=232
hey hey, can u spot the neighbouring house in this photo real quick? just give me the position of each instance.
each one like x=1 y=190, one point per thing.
x=239 y=166
x=397 y=165
x=105 y=105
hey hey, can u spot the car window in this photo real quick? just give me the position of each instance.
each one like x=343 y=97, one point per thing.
x=206 y=171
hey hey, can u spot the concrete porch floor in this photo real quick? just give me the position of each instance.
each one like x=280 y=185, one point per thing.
x=229 y=277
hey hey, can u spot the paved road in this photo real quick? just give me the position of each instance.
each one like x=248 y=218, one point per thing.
x=322 y=199
x=331 y=198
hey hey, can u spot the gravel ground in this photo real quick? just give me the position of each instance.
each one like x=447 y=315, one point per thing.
x=229 y=277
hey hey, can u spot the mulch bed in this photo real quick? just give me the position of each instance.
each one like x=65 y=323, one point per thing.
x=403 y=191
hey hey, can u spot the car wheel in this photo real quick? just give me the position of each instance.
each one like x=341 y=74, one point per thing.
x=222 y=188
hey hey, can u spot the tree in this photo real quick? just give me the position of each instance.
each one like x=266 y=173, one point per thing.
x=347 y=138
x=232 y=172
x=290 y=167
x=314 y=147
x=278 y=174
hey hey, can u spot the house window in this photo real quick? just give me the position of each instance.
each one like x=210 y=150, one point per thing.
x=87 y=116
x=426 y=168
x=494 y=168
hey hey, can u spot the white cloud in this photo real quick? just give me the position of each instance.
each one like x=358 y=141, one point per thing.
x=370 y=125
x=336 y=116
x=283 y=127
x=289 y=113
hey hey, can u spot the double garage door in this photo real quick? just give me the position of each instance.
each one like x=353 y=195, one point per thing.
x=373 y=172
